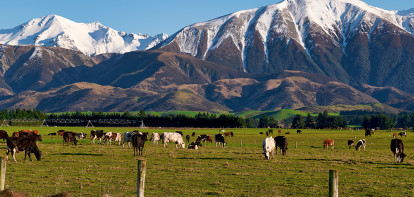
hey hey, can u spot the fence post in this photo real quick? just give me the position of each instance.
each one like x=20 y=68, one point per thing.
x=142 y=163
x=333 y=183
x=241 y=142
x=2 y=172
x=296 y=145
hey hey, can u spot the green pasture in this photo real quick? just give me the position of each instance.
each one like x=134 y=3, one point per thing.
x=237 y=170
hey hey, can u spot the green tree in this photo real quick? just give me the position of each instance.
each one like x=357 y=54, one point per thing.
x=264 y=121
x=297 y=122
x=309 y=122
x=273 y=123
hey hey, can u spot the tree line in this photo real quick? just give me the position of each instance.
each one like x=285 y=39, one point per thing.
x=209 y=120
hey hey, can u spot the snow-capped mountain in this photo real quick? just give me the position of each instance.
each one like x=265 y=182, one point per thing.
x=91 y=39
x=348 y=40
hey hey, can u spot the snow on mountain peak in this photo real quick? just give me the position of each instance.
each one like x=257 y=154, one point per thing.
x=91 y=39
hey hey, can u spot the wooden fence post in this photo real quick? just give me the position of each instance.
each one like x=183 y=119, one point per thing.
x=2 y=172
x=296 y=145
x=142 y=163
x=333 y=183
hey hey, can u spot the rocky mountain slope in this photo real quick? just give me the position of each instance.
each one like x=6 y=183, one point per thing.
x=347 y=40
x=91 y=39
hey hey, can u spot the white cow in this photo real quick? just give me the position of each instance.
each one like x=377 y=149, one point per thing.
x=269 y=146
x=155 y=137
x=128 y=138
x=173 y=137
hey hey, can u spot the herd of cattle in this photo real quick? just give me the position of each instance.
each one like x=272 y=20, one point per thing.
x=270 y=145
x=26 y=140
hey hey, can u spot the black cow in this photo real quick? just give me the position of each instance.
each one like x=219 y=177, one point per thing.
x=69 y=137
x=270 y=131
x=194 y=145
x=138 y=142
x=193 y=134
x=15 y=144
x=397 y=147
x=369 y=132
x=232 y=134
x=97 y=134
x=52 y=134
x=187 y=137
x=181 y=133
x=3 y=135
x=282 y=143
x=299 y=132
x=219 y=139
x=351 y=143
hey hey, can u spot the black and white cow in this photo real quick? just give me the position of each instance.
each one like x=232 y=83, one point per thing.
x=80 y=136
x=361 y=143
x=282 y=143
x=128 y=137
x=16 y=144
x=219 y=139
x=404 y=133
x=194 y=145
x=369 y=132
x=397 y=147
x=97 y=134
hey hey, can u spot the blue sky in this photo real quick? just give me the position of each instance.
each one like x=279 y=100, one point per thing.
x=139 y=16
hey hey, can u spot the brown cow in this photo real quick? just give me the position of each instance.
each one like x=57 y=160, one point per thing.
x=60 y=132
x=327 y=143
x=3 y=135
x=69 y=137
x=16 y=144
x=227 y=134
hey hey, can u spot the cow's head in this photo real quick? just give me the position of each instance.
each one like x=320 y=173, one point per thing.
x=266 y=155
x=38 y=155
x=402 y=157
x=182 y=144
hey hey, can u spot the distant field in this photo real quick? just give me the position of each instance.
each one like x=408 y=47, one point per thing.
x=237 y=170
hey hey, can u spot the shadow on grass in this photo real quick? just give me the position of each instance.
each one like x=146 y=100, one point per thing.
x=206 y=158
x=80 y=154
x=212 y=193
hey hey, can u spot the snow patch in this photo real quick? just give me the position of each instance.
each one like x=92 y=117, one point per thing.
x=37 y=53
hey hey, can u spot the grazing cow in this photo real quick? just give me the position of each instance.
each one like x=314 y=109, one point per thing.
x=361 y=143
x=16 y=144
x=117 y=137
x=269 y=146
x=287 y=133
x=155 y=138
x=270 y=131
x=369 y=132
x=60 y=132
x=351 y=143
x=30 y=131
x=202 y=138
x=327 y=143
x=138 y=142
x=128 y=137
x=80 y=136
x=397 y=147
x=227 y=134
x=173 y=137
x=282 y=143
x=52 y=134
x=232 y=134
x=69 y=137
x=181 y=133
x=194 y=145
x=261 y=133
x=3 y=135
x=219 y=139
x=299 y=132
x=193 y=134
x=187 y=137
x=404 y=133
x=97 y=134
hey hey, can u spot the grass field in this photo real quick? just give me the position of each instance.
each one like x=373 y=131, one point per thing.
x=237 y=170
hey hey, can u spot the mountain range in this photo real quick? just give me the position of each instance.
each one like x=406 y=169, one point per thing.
x=290 y=55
